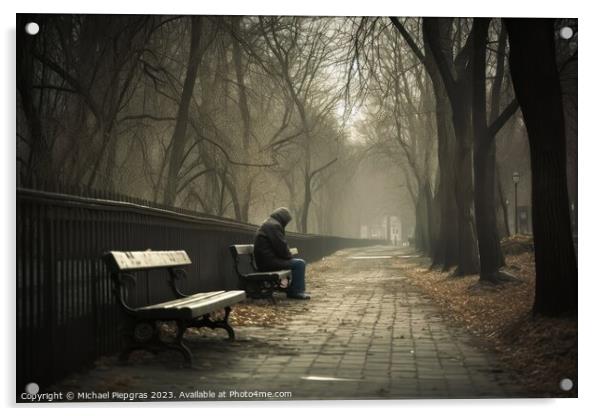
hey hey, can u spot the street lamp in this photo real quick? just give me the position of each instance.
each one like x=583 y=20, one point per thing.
x=507 y=217
x=516 y=180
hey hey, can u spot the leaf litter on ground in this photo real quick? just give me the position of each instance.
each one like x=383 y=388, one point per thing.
x=541 y=351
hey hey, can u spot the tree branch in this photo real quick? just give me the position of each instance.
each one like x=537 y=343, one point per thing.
x=146 y=116
x=54 y=87
x=432 y=35
x=463 y=56
x=408 y=38
x=320 y=169
x=281 y=142
x=77 y=86
x=192 y=178
x=496 y=87
x=225 y=153
x=499 y=122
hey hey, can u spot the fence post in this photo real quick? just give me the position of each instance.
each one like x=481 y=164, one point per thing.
x=50 y=292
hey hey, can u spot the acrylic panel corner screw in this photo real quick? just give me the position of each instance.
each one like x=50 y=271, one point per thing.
x=566 y=384
x=566 y=32
x=32 y=28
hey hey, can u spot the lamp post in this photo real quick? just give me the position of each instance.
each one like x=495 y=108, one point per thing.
x=507 y=218
x=516 y=179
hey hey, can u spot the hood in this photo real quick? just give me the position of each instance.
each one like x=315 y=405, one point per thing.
x=282 y=215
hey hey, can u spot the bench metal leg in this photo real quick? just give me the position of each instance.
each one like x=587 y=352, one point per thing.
x=139 y=335
x=269 y=295
x=260 y=289
x=144 y=335
x=207 y=322
x=179 y=345
x=225 y=325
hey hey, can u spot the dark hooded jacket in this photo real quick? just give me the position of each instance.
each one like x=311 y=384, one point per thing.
x=270 y=247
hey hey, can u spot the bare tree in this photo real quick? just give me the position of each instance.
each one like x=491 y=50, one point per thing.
x=490 y=252
x=300 y=58
x=179 y=136
x=447 y=248
x=537 y=86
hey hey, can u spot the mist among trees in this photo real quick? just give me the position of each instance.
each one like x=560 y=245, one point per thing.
x=347 y=121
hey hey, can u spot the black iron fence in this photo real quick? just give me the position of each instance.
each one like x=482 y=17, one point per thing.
x=66 y=313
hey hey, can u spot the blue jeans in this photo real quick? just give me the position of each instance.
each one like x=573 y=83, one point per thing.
x=298 y=276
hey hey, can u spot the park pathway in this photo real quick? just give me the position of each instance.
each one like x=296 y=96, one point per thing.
x=367 y=333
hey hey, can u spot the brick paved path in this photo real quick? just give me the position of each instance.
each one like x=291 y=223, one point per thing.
x=367 y=333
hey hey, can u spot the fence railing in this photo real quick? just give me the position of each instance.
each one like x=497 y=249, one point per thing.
x=66 y=312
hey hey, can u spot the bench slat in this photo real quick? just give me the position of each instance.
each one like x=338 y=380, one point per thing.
x=194 y=308
x=216 y=302
x=140 y=260
x=259 y=275
x=182 y=301
x=247 y=249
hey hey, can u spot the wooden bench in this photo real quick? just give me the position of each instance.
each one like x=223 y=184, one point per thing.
x=141 y=330
x=256 y=284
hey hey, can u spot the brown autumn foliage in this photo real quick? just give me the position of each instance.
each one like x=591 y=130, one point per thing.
x=541 y=351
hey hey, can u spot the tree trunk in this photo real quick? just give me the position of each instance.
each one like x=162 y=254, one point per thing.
x=490 y=252
x=179 y=135
x=502 y=203
x=236 y=205
x=446 y=248
x=244 y=179
x=468 y=260
x=431 y=221
x=459 y=93
x=306 y=203
x=449 y=213
x=420 y=226
x=39 y=171
x=537 y=88
x=424 y=217
x=111 y=163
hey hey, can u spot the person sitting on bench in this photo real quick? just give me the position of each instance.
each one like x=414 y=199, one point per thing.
x=272 y=253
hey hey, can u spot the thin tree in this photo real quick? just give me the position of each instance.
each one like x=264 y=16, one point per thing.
x=178 y=142
x=447 y=245
x=490 y=252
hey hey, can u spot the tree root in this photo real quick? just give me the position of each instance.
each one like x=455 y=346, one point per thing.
x=495 y=281
x=458 y=274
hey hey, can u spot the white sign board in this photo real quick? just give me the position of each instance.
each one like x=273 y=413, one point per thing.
x=148 y=259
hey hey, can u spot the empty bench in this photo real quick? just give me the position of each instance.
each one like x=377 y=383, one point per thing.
x=141 y=329
x=256 y=284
